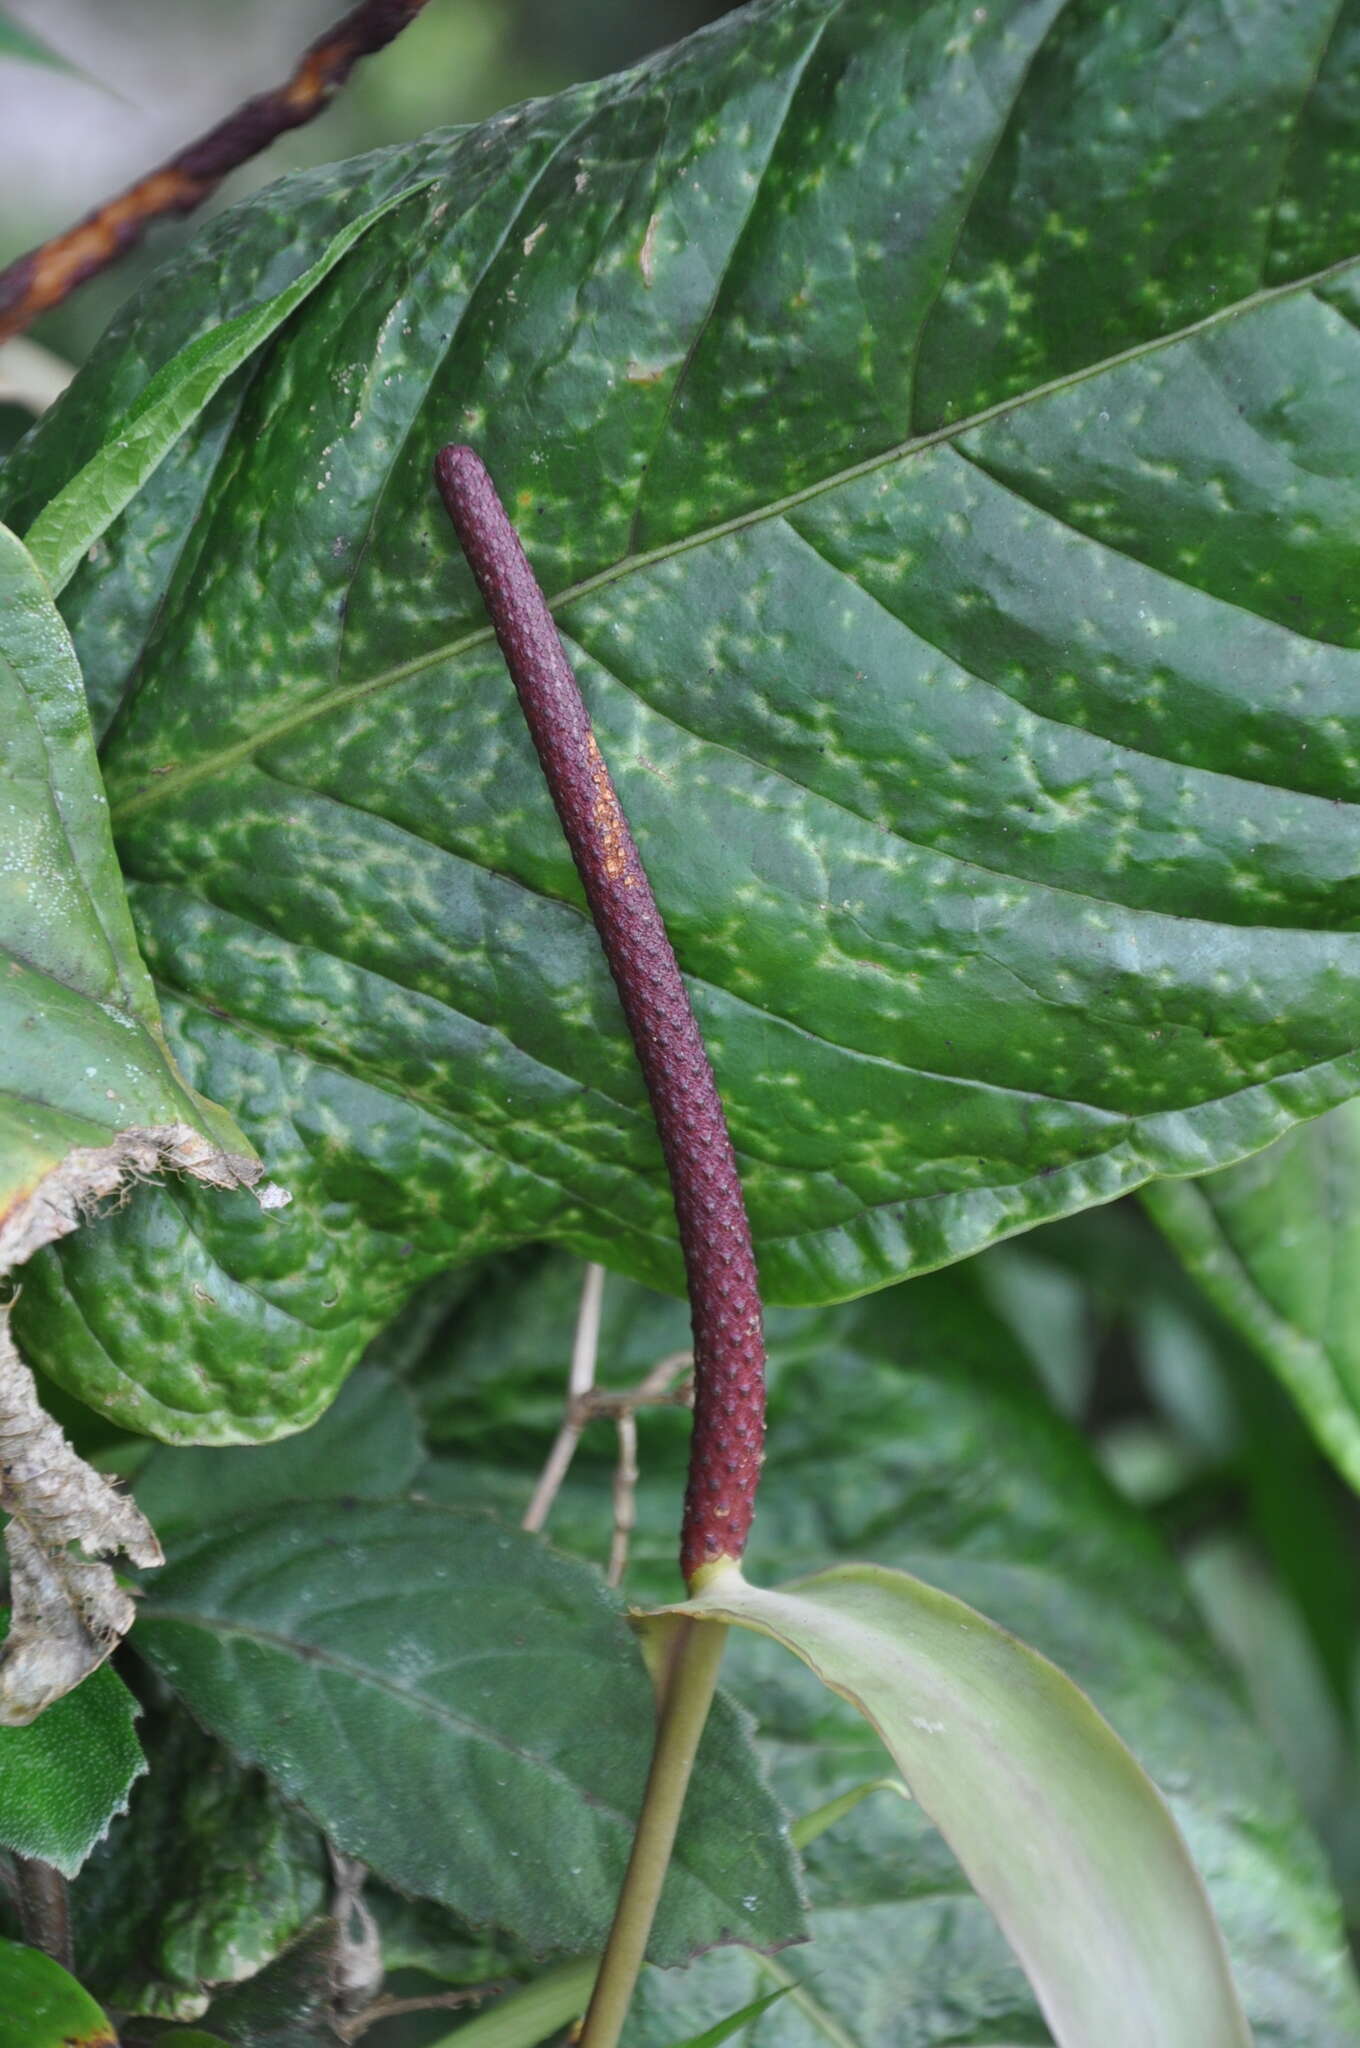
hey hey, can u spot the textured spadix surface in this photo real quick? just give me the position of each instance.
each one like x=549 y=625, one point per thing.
x=936 y=428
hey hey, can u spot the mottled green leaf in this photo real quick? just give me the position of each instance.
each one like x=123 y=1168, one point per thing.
x=1275 y=1243
x=910 y=1428
x=42 y=2007
x=942 y=459
x=85 y=508
x=428 y=1686
x=63 y=1778
x=205 y=1881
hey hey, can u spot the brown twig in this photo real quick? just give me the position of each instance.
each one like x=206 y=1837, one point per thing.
x=715 y=1237
x=434 y=2001
x=580 y=1380
x=40 y=1894
x=34 y=283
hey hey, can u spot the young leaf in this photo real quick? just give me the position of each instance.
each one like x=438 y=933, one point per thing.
x=20 y=45
x=87 y=506
x=42 y=2007
x=1275 y=1244
x=375 y=1661
x=994 y=724
x=63 y=1779
x=725 y=2029
x=1052 y=1819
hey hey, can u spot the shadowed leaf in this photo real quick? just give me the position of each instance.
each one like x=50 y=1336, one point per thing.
x=375 y=1659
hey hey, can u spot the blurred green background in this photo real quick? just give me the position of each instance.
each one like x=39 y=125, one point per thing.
x=157 y=73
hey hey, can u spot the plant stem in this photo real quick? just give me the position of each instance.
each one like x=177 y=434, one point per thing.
x=715 y=1236
x=34 y=283
x=688 y=1693
x=529 y=2015
x=726 y=1444
x=44 y=1908
x=580 y=1380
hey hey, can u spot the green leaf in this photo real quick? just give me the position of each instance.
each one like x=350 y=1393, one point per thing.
x=1058 y=1829
x=87 y=1070
x=725 y=2029
x=532 y=2013
x=42 y=2007
x=366 y=1446
x=90 y=1098
x=21 y=46
x=87 y=506
x=910 y=1427
x=376 y=1661
x=205 y=1881
x=1275 y=1244
x=943 y=466
x=64 y=1778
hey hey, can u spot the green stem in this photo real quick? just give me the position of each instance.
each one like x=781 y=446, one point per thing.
x=685 y=1700
x=529 y=2015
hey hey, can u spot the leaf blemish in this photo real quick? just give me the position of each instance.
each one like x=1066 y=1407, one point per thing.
x=647 y=253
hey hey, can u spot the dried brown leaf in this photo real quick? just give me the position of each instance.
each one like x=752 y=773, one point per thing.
x=68 y=1610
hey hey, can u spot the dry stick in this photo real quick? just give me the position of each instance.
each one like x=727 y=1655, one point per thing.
x=34 y=283
x=436 y=2001
x=625 y=1497
x=40 y=1895
x=715 y=1236
x=580 y=1380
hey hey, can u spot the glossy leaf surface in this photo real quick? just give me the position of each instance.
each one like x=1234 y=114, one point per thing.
x=85 y=508
x=376 y=1659
x=1275 y=1243
x=941 y=455
x=909 y=1428
x=42 y=2007
x=65 y=1777
x=1055 y=1824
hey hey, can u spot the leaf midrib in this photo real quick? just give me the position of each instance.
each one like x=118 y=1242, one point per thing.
x=226 y=757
